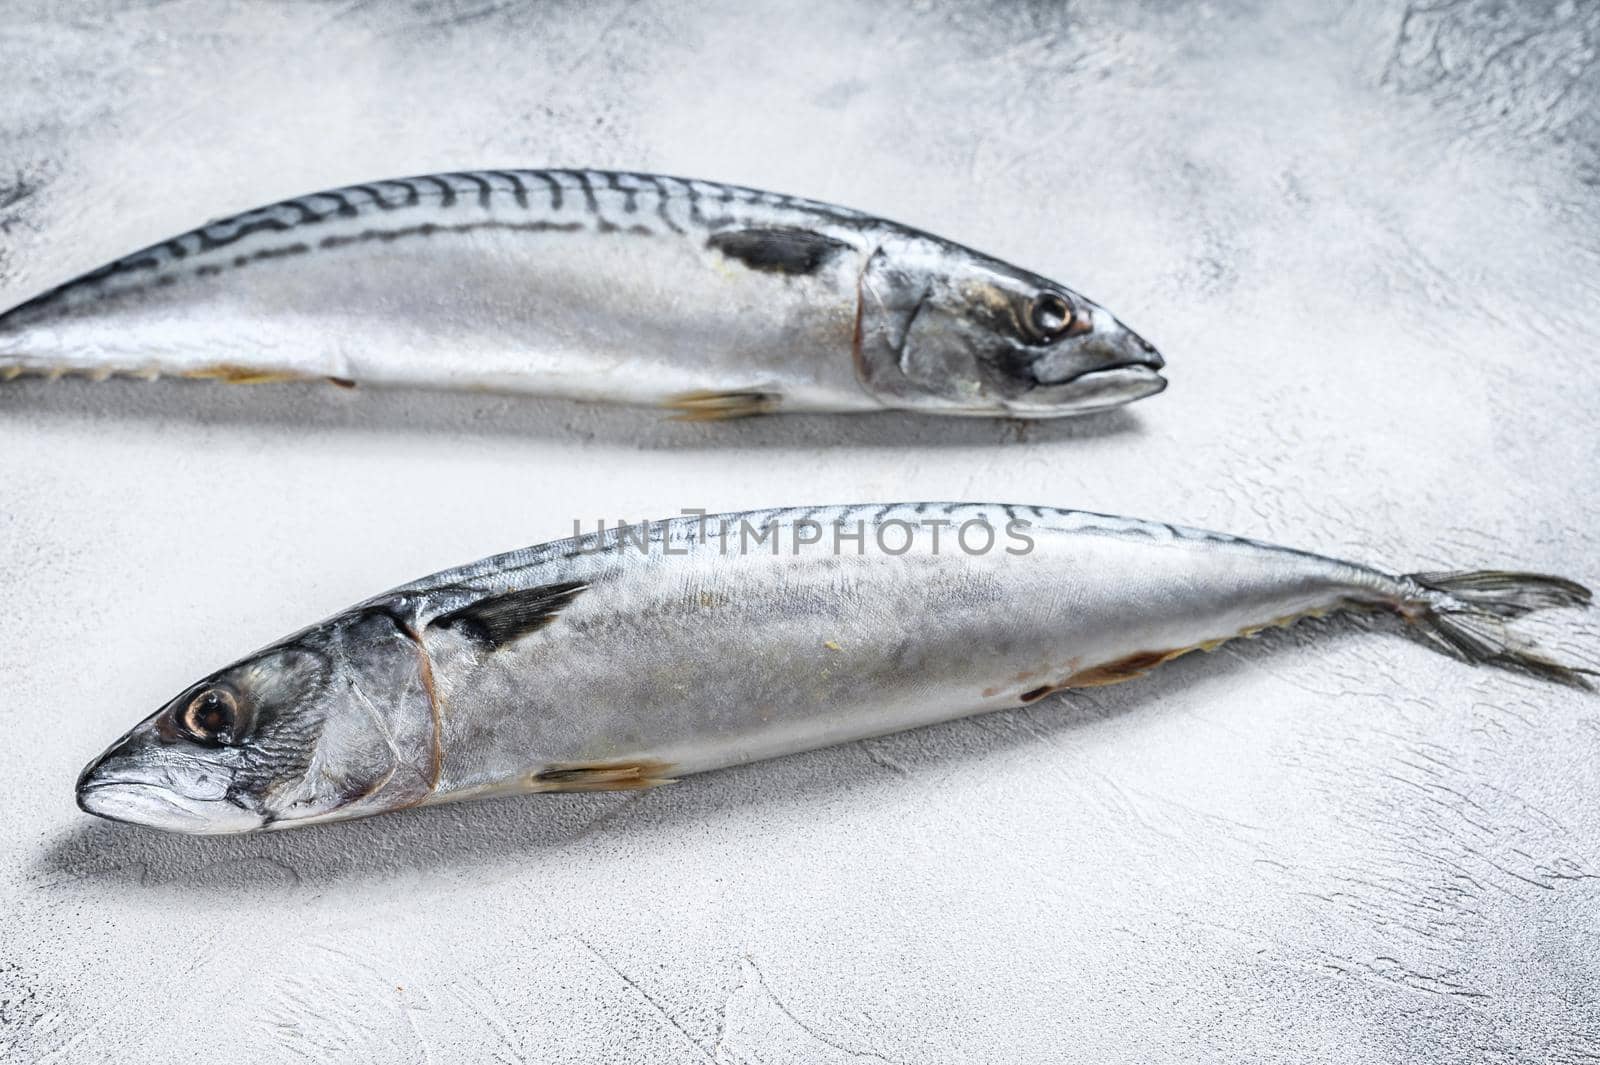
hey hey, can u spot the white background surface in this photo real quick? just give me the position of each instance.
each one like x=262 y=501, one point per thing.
x=1367 y=239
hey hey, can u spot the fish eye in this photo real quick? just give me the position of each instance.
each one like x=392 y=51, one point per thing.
x=212 y=718
x=1050 y=315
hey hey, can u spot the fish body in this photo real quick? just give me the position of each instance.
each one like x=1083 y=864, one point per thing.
x=637 y=656
x=709 y=299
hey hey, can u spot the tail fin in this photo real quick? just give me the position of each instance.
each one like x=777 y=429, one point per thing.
x=1470 y=615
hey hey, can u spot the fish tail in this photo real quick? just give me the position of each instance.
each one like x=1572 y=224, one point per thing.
x=1473 y=615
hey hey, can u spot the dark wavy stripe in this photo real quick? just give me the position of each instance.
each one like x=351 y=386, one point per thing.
x=661 y=201
x=590 y=203
x=447 y=191
x=630 y=195
x=291 y=214
x=484 y=187
x=553 y=184
x=518 y=189
x=428 y=229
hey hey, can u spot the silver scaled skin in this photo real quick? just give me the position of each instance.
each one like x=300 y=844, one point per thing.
x=707 y=299
x=630 y=658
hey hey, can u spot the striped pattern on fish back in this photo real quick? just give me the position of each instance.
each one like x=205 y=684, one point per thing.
x=400 y=209
x=689 y=530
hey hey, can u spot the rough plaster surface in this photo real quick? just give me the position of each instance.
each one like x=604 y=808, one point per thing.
x=1367 y=237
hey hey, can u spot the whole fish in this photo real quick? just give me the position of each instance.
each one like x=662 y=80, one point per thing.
x=711 y=300
x=632 y=657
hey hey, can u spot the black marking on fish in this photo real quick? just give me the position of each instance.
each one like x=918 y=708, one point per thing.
x=661 y=200
x=484 y=188
x=589 y=201
x=413 y=194
x=428 y=229
x=693 y=193
x=145 y=260
x=517 y=187
x=346 y=209
x=555 y=188
x=377 y=199
x=309 y=210
x=630 y=195
x=208 y=242
x=498 y=620
x=795 y=252
x=447 y=197
x=297 y=248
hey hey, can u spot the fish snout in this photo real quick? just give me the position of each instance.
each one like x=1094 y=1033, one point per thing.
x=1142 y=351
x=1119 y=347
x=138 y=783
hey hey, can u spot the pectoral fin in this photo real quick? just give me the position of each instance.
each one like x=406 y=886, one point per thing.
x=497 y=620
x=602 y=776
x=708 y=406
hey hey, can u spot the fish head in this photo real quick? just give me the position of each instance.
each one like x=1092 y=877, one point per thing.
x=944 y=328
x=332 y=723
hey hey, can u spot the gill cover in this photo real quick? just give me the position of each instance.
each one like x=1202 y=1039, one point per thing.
x=375 y=747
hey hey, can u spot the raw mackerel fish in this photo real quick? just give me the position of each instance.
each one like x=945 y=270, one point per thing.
x=711 y=300
x=631 y=657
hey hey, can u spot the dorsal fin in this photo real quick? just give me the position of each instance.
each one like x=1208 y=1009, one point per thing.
x=497 y=620
x=777 y=249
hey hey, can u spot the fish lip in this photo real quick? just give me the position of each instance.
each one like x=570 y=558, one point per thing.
x=90 y=790
x=1139 y=378
x=1151 y=366
x=168 y=812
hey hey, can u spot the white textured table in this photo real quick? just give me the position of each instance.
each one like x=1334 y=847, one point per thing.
x=1366 y=237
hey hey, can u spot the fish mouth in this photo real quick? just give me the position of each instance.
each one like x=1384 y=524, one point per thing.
x=1094 y=390
x=150 y=805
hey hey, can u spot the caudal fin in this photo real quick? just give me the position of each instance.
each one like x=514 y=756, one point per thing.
x=1472 y=615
